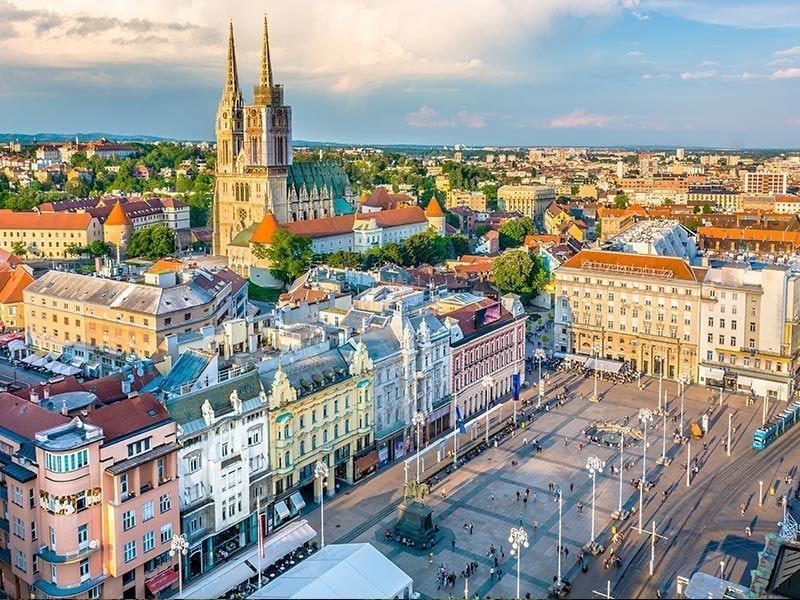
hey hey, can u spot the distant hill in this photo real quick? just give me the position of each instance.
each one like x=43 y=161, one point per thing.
x=28 y=138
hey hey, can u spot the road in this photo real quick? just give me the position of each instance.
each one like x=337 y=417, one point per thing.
x=23 y=376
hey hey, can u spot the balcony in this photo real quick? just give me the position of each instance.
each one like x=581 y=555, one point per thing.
x=51 y=556
x=52 y=590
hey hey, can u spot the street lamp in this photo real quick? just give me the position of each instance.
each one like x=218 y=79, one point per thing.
x=594 y=465
x=660 y=360
x=418 y=420
x=684 y=383
x=321 y=473
x=178 y=545
x=664 y=460
x=560 y=499
x=620 y=514
x=540 y=355
x=595 y=352
x=518 y=538
x=646 y=417
x=488 y=384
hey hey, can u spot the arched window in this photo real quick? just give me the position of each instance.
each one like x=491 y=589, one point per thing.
x=302 y=448
x=287 y=459
x=325 y=436
x=336 y=431
x=313 y=442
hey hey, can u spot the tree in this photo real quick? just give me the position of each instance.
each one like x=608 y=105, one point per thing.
x=342 y=259
x=424 y=248
x=99 y=248
x=520 y=273
x=76 y=250
x=668 y=202
x=19 y=249
x=453 y=220
x=620 y=201
x=151 y=242
x=707 y=209
x=480 y=230
x=289 y=255
x=513 y=232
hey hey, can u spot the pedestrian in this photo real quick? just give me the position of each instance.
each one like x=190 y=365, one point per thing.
x=524 y=441
x=470 y=528
x=566 y=442
x=430 y=558
x=491 y=572
x=571 y=486
x=453 y=543
x=525 y=502
x=496 y=560
x=566 y=552
x=580 y=507
x=492 y=497
x=527 y=492
x=502 y=553
x=580 y=446
x=517 y=495
x=535 y=526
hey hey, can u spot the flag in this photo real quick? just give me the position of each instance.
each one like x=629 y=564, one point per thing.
x=460 y=421
x=515 y=385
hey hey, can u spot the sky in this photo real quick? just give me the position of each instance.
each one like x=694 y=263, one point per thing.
x=722 y=73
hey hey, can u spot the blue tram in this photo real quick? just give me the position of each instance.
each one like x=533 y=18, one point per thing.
x=764 y=436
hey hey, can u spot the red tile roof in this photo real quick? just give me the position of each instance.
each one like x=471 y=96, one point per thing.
x=12 y=284
x=128 y=416
x=434 y=209
x=405 y=215
x=265 y=230
x=612 y=262
x=316 y=228
x=26 y=418
x=118 y=216
x=55 y=221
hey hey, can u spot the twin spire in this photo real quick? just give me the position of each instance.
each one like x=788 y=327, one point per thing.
x=263 y=91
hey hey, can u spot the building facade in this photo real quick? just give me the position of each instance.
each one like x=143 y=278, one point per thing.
x=529 y=200
x=638 y=309
x=42 y=235
x=761 y=183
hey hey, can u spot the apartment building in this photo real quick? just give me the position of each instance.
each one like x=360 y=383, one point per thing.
x=474 y=200
x=91 y=500
x=487 y=351
x=38 y=235
x=13 y=281
x=762 y=183
x=223 y=464
x=749 y=334
x=103 y=320
x=631 y=308
x=529 y=200
x=714 y=195
x=319 y=410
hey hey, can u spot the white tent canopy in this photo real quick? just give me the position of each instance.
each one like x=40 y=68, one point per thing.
x=341 y=571
x=601 y=364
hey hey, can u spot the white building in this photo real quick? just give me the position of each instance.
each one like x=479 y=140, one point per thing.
x=748 y=329
x=658 y=237
x=530 y=200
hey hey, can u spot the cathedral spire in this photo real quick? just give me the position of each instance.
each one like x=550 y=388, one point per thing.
x=232 y=77
x=266 y=63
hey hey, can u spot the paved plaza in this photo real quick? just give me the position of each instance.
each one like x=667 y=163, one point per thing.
x=483 y=493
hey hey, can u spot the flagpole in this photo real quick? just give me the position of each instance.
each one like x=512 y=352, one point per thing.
x=260 y=540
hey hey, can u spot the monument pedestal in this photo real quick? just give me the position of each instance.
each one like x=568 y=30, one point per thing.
x=415 y=523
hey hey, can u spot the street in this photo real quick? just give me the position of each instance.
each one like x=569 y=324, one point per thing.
x=22 y=376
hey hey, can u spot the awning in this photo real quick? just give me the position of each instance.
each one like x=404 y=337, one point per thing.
x=715 y=373
x=281 y=509
x=366 y=462
x=30 y=359
x=297 y=500
x=77 y=361
x=224 y=580
x=70 y=370
x=93 y=365
x=601 y=364
x=16 y=346
x=577 y=358
x=744 y=382
x=288 y=539
x=161 y=581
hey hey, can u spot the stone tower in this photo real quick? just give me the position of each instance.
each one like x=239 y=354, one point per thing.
x=254 y=151
x=117 y=229
x=436 y=217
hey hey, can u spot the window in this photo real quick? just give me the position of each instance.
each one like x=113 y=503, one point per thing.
x=129 y=551
x=84 y=569
x=17 y=495
x=165 y=502
x=161 y=469
x=34 y=531
x=148 y=542
x=19 y=528
x=147 y=510
x=83 y=535
x=193 y=462
x=128 y=520
x=123 y=485
x=138 y=447
x=35 y=563
x=95 y=592
x=20 y=561
x=166 y=533
x=64 y=463
x=254 y=436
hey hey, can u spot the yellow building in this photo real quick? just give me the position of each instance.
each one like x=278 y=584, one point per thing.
x=46 y=235
x=530 y=200
x=13 y=282
x=442 y=183
x=554 y=217
x=320 y=409
x=474 y=200
x=636 y=308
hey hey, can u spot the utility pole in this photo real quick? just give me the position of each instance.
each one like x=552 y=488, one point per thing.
x=688 y=462
x=730 y=416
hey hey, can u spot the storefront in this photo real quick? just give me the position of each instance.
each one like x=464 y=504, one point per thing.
x=204 y=554
x=161 y=582
x=365 y=464
x=438 y=421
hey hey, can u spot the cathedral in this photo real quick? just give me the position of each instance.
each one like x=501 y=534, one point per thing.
x=255 y=174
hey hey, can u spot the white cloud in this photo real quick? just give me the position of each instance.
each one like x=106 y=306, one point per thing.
x=698 y=74
x=430 y=118
x=344 y=46
x=786 y=73
x=647 y=76
x=742 y=14
x=708 y=63
x=580 y=118
x=635 y=54
x=793 y=51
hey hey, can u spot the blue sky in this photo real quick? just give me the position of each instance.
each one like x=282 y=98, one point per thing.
x=505 y=72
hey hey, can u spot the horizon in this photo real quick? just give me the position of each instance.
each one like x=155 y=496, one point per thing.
x=584 y=73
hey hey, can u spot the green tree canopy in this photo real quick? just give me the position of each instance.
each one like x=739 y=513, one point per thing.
x=620 y=201
x=151 y=242
x=100 y=248
x=459 y=245
x=19 y=249
x=289 y=255
x=513 y=232
x=520 y=273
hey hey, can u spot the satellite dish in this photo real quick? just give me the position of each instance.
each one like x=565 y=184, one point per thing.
x=93 y=544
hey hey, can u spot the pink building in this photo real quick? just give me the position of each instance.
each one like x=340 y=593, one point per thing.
x=91 y=500
x=487 y=351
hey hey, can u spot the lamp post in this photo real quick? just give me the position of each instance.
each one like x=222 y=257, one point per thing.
x=418 y=420
x=730 y=416
x=540 y=354
x=594 y=465
x=684 y=383
x=664 y=460
x=688 y=463
x=179 y=546
x=646 y=417
x=620 y=514
x=560 y=502
x=518 y=538
x=488 y=384
x=660 y=360
x=321 y=473
x=595 y=353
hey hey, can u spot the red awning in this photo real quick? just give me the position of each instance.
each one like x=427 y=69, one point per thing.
x=366 y=462
x=161 y=581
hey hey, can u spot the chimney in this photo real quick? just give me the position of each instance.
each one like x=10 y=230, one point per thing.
x=126 y=386
x=46 y=390
x=34 y=396
x=64 y=410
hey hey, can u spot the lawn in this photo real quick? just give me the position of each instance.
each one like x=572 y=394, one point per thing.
x=261 y=294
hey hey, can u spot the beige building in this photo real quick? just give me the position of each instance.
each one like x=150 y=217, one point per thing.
x=474 y=200
x=640 y=309
x=530 y=200
x=46 y=235
x=762 y=183
x=104 y=319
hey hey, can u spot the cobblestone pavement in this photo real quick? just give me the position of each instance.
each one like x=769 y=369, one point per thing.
x=483 y=493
